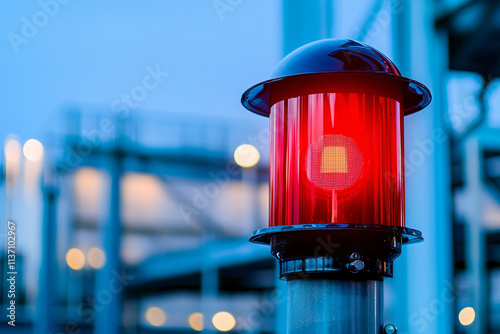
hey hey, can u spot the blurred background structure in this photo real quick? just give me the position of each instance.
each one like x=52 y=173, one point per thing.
x=134 y=199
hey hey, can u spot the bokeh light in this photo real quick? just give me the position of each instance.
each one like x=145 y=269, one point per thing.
x=246 y=155
x=96 y=258
x=155 y=316
x=33 y=150
x=195 y=320
x=467 y=316
x=12 y=150
x=75 y=259
x=223 y=321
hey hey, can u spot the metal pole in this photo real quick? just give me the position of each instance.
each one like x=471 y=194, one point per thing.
x=475 y=240
x=45 y=313
x=109 y=284
x=209 y=287
x=335 y=306
x=281 y=304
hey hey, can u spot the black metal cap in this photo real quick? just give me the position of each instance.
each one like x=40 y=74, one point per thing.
x=332 y=60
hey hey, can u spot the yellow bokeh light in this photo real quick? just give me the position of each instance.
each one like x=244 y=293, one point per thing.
x=246 y=155
x=33 y=150
x=96 y=258
x=12 y=150
x=224 y=321
x=195 y=320
x=75 y=259
x=155 y=316
x=467 y=316
x=334 y=160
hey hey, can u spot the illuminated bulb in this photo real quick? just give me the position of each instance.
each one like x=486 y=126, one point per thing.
x=155 y=316
x=96 y=258
x=12 y=150
x=195 y=320
x=75 y=259
x=33 y=150
x=224 y=321
x=246 y=155
x=334 y=160
x=467 y=316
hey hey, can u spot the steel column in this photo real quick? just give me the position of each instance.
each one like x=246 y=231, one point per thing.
x=335 y=306
x=475 y=240
x=45 y=311
x=108 y=296
x=421 y=52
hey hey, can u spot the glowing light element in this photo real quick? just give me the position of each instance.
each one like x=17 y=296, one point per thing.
x=12 y=150
x=96 y=258
x=224 y=321
x=334 y=160
x=246 y=155
x=33 y=150
x=75 y=259
x=195 y=320
x=155 y=316
x=467 y=316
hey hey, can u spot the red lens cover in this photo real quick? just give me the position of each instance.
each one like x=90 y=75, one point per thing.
x=337 y=158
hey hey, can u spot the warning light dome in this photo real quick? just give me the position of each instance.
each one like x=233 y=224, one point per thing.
x=331 y=60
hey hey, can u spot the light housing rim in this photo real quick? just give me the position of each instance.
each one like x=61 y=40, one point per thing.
x=416 y=95
x=263 y=236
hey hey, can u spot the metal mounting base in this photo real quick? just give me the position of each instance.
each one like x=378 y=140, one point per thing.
x=338 y=251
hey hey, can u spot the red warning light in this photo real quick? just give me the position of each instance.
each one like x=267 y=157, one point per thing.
x=334 y=162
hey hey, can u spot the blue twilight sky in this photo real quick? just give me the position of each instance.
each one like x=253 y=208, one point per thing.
x=57 y=53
